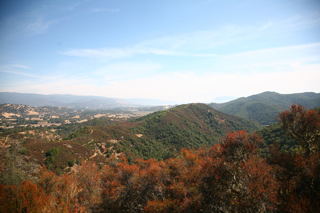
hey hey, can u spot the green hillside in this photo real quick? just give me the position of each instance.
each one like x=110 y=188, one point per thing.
x=191 y=125
x=274 y=133
x=162 y=134
x=264 y=107
x=159 y=135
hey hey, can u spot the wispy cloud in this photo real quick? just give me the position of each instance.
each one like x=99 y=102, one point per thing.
x=205 y=43
x=103 y=10
x=39 y=26
x=15 y=69
x=20 y=73
x=19 y=66
x=116 y=52
x=192 y=44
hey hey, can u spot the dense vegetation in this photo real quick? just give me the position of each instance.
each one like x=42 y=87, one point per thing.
x=159 y=135
x=162 y=134
x=274 y=133
x=228 y=177
x=264 y=107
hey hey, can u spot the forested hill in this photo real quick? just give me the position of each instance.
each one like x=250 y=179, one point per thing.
x=161 y=134
x=264 y=107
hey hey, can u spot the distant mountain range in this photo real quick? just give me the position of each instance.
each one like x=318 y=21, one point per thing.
x=75 y=101
x=263 y=108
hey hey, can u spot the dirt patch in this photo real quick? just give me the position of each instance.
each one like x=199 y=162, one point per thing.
x=220 y=121
x=45 y=124
x=117 y=154
x=37 y=119
x=68 y=145
x=9 y=115
x=95 y=154
x=113 y=141
x=99 y=115
x=143 y=113
x=33 y=113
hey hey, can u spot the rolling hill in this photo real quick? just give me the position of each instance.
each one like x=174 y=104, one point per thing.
x=264 y=107
x=161 y=134
x=158 y=135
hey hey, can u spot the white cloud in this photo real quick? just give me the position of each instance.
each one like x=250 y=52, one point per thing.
x=284 y=70
x=189 y=87
x=282 y=56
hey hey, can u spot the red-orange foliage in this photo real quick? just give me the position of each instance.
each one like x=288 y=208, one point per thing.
x=88 y=179
x=235 y=179
x=299 y=174
x=27 y=198
x=227 y=177
x=302 y=125
x=67 y=193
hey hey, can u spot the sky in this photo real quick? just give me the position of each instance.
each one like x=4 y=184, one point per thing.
x=172 y=50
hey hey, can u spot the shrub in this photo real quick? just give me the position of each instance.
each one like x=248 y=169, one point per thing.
x=52 y=151
x=70 y=163
x=78 y=161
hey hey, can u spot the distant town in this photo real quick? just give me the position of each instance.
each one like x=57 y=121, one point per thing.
x=17 y=115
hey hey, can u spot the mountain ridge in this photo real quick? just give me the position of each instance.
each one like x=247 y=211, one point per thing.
x=264 y=107
x=158 y=135
x=161 y=134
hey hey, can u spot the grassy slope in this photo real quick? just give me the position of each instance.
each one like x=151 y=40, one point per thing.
x=158 y=135
x=264 y=107
x=165 y=132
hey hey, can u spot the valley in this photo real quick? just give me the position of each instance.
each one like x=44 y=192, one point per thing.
x=18 y=115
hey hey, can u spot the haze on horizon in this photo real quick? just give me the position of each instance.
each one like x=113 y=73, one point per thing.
x=184 y=50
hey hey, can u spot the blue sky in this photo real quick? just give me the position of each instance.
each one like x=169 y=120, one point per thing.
x=177 y=50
